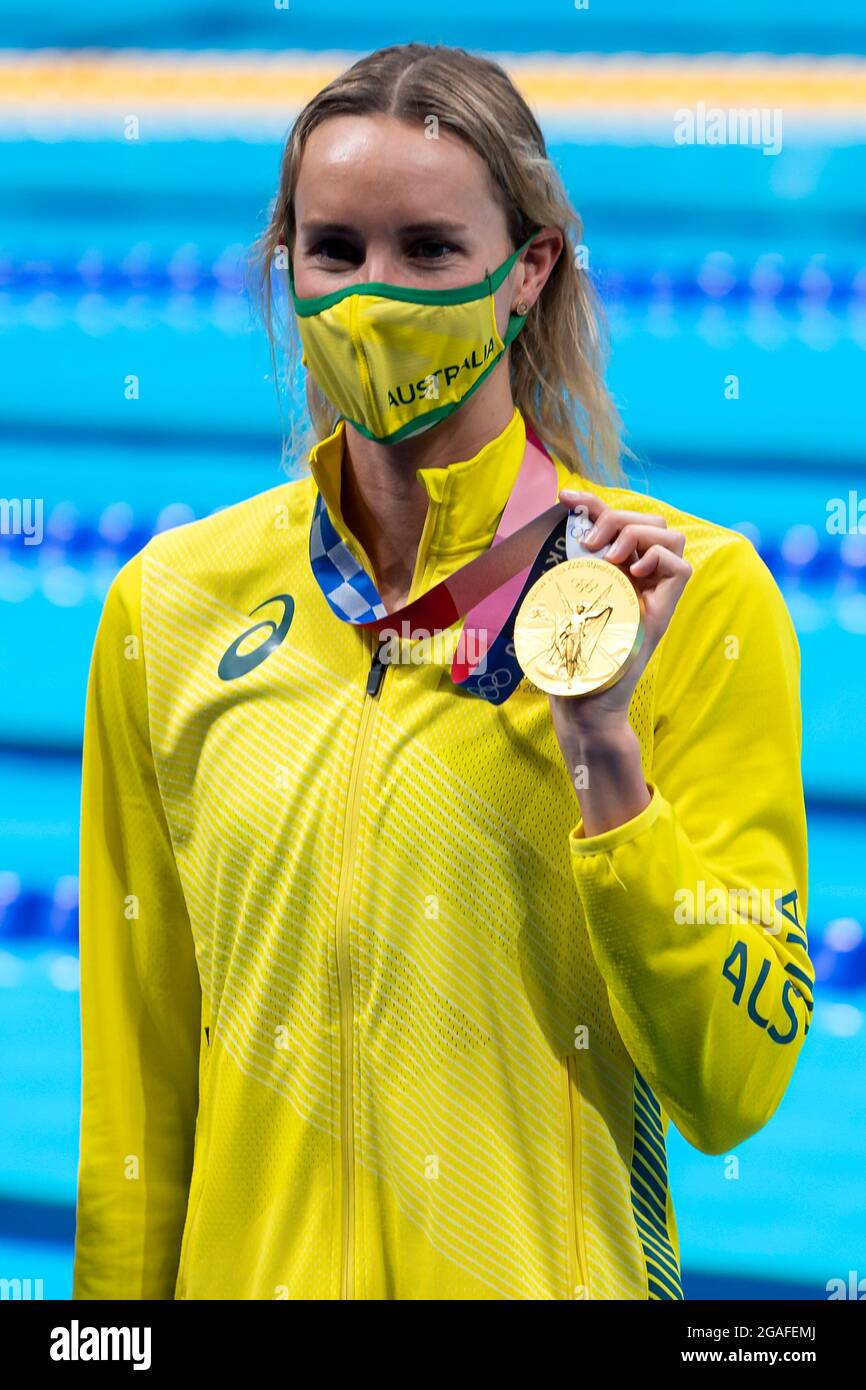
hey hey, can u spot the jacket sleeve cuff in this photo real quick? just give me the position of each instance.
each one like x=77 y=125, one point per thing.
x=583 y=846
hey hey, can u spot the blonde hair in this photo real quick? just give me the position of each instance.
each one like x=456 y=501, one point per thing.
x=557 y=362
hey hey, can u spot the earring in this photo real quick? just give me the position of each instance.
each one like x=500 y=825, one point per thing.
x=522 y=308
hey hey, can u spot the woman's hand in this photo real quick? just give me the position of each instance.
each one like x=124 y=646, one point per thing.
x=593 y=730
x=653 y=556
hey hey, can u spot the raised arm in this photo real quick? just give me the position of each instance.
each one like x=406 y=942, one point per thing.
x=712 y=1002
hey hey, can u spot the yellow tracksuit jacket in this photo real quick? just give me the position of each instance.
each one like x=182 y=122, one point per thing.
x=364 y=1013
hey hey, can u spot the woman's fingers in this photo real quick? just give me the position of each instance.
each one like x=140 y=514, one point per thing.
x=661 y=577
x=639 y=536
x=660 y=562
x=608 y=522
x=642 y=543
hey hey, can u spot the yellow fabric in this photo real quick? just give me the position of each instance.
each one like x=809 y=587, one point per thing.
x=385 y=363
x=365 y=1014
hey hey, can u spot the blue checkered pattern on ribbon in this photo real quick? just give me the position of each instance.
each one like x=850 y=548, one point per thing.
x=346 y=585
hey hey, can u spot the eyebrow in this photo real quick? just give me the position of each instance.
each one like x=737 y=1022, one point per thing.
x=437 y=227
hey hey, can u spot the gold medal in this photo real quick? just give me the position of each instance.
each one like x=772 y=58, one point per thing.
x=579 y=627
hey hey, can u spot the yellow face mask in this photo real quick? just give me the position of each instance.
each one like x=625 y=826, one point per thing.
x=395 y=361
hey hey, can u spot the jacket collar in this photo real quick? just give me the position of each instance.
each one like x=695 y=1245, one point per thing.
x=465 y=499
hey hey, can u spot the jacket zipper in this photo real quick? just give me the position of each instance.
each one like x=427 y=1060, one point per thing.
x=577 y=1265
x=344 y=976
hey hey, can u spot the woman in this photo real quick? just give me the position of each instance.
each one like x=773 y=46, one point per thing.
x=389 y=990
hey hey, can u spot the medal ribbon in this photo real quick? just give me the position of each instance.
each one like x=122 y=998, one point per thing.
x=530 y=537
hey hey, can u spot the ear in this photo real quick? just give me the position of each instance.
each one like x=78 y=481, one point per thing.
x=533 y=269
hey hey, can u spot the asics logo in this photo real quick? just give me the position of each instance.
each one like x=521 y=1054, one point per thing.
x=234 y=663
